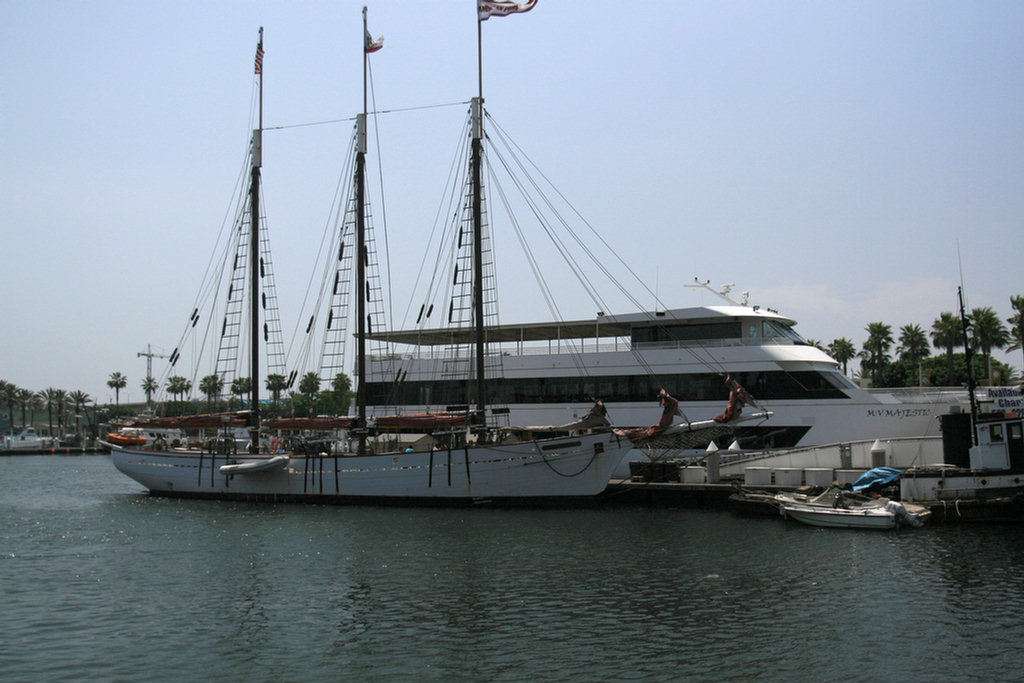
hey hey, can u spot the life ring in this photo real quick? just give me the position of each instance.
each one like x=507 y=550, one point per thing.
x=276 y=445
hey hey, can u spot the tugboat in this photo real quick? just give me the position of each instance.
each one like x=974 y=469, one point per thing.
x=984 y=460
x=983 y=452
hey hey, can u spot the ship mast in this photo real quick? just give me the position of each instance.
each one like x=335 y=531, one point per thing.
x=965 y=326
x=485 y=9
x=361 y=293
x=254 y=260
x=477 y=188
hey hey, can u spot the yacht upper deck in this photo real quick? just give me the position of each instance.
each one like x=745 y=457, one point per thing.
x=699 y=324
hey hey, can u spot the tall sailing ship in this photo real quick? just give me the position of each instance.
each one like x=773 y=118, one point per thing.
x=462 y=460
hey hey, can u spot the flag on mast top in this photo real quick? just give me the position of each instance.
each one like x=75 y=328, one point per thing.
x=259 y=54
x=488 y=8
x=372 y=45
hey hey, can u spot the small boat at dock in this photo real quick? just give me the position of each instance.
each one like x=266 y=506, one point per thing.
x=129 y=436
x=840 y=508
x=25 y=439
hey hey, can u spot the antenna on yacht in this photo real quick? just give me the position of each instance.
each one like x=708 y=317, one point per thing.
x=723 y=293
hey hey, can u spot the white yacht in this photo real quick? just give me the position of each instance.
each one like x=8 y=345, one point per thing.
x=25 y=439
x=551 y=373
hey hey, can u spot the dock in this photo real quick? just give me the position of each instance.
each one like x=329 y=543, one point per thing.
x=629 y=493
x=669 y=494
x=56 y=450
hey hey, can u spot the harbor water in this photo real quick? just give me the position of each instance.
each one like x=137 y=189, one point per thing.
x=101 y=582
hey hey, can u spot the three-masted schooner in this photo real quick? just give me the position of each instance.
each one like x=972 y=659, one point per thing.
x=472 y=468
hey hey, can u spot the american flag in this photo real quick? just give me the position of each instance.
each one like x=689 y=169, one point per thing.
x=259 y=58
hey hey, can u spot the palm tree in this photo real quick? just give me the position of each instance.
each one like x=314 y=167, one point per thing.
x=9 y=395
x=308 y=387
x=54 y=399
x=36 y=403
x=947 y=334
x=69 y=408
x=241 y=386
x=875 y=354
x=211 y=385
x=987 y=333
x=913 y=344
x=1016 y=323
x=26 y=399
x=342 y=385
x=78 y=399
x=842 y=351
x=178 y=386
x=117 y=382
x=913 y=347
x=275 y=384
x=150 y=386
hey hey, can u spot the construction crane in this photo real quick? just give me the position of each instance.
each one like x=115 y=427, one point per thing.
x=148 y=353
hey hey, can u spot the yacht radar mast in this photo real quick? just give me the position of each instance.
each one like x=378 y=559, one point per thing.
x=723 y=293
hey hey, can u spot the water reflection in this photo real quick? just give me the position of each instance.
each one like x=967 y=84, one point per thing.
x=131 y=584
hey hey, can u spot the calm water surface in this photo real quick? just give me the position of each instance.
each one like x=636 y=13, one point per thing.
x=101 y=582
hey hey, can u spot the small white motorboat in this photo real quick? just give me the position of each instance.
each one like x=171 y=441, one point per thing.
x=856 y=518
x=838 y=508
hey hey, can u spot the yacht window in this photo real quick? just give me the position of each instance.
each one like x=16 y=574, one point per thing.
x=839 y=380
x=689 y=332
x=1015 y=431
x=777 y=330
x=778 y=385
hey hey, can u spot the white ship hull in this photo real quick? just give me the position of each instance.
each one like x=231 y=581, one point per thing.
x=549 y=471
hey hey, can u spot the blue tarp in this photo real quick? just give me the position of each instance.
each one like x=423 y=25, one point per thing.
x=878 y=476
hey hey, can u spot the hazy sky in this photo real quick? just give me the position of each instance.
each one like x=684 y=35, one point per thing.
x=843 y=162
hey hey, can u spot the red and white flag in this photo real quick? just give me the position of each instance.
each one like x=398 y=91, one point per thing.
x=259 y=58
x=372 y=45
x=488 y=8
